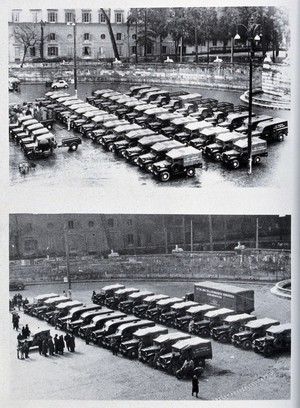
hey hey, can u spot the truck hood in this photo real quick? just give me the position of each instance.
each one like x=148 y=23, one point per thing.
x=232 y=152
x=121 y=143
x=147 y=156
x=134 y=150
x=132 y=342
x=161 y=164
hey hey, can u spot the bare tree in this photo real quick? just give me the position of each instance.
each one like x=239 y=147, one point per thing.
x=27 y=37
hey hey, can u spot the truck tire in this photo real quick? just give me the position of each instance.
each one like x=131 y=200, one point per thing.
x=73 y=147
x=175 y=168
x=165 y=176
x=132 y=354
x=268 y=351
x=204 y=332
x=224 y=338
x=256 y=159
x=280 y=137
x=217 y=157
x=247 y=345
x=235 y=164
x=128 y=310
x=190 y=171
x=179 y=374
x=278 y=343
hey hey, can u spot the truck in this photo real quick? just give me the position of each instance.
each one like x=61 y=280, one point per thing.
x=74 y=314
x=86 y=318
x=241 y=300
x=207 y=136
x=193 y=314
x=223 y=142
x=38 y=301
x=254 y=122
x=231 y=325
x=192 y=130
x=138 y=111
x=162 y=306
x=110 y=327
x=178 y=162
x=161 y=345
x=128 y=108
x=239 y=154
x=177 y=310
x=97 y=323
x=143 y=146
x=149 y=116
x=96 y=123
x=157 y=153
x=48 y=305
x=235 y=120
x=277 y=339
x=130 y=140
x=141 y=338
x=60 y=310
x=148 y=303
x=105 y=292
x=118 y=133
x=177 y=125
x=133 y=300
x=274 y=129
x=211 y=319
x=119 y=296
x=251 y=331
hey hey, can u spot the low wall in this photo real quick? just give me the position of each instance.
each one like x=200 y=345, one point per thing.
x=224 y=76
x=264 y=265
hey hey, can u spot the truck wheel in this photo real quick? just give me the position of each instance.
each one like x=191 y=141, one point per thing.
x=205 y=332
x=179 y=374
x=268 y=351
x=278 y=343
x=217 y=156
x=132 y=354
x=190 y=172
x=175 y=168
x=247 y=345
x=201 y=363
x=256 y=159
x=165 y=176
x=280 y=137
x=224 y=338
x=235 y=164
x=113 y=149
x=129 y=310
x=73 y=147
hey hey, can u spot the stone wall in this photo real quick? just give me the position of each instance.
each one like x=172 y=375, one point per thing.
x=265 y=265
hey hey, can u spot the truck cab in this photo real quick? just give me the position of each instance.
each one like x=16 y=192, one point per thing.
x=74 y=314
x=212 y=318
x=130 y=140
x=207 y=136
x=119 y=296
x=60 y=311
x=133 y=300
x=178 y=161
x=177 y=310
x=252 y=330
x=148 y=303
x=86 y=318
x=32 y=138
x=239 y=154
x=105 y=292
x=117 y=133
x=274 y=129
x=98 y=322
x=38 y=301
x=231 y=325
x=48 y=305
x=162 y=306
x=193 y=314
x=157 y=153
x=223 y=142
x=144 y=145
x=277 y=339
x=141 y=338
x=109 y=328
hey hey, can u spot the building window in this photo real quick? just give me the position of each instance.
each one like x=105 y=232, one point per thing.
x=133 y=49
x=119 y=36
x=149 y=49
x=91 y=224
x=118 y=17
x=86 y=37
x=15 y=17
x=148 y=238
x=30 y=245
x=70 y=52
x=17 y=52
x=134 y=36
x=86 y=51
x=102 y=17
x=69 y=16
x=71 y=225
x=32 y=51
x=129 y=239
x=214 y=43
x=129 y=222
x=110 y=222
x=52 y=37
x=86 y=17
x=52 y=16
x=50 y=225
x=52 y=51
x=102 y=36
x=164 y=49
x=35 y=16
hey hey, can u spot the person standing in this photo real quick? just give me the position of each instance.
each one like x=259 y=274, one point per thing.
x=67 y=340
x=51 y=346
x=20 y=352
x=195 y=385
x=26 y=349
x=61 y=344
x=45 y=348
x=26 y=331
x=16 y=319
x=72 y=343
x=56 y=344
x=40 y=346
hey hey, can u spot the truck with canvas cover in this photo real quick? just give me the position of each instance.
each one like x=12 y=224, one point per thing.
x=177 y=125
x=251 y=331
x=239 y=153
x=86 y=318
x=231 y=325
x=133 y=300
x=74 y=314
x=207 y=136
x=98 y=322
x=277 y=339
x=60 y=310
x=162 y=306
x=141 y=338
x=193 y=314
x=239 y=299
x=148 y=303
x=38 y=301
x=118 y=133
x=157 y=153
x=109 y=328
x=143 y=146
x=130 y=140
x=254 y=122
x=274 y=129
x=211 y=319
x=177 y=310
x=119 y=296
x=223 y=142
x=105 y=292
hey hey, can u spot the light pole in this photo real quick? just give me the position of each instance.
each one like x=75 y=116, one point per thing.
x=42 y=23
x=253 y=37
x=74 y=56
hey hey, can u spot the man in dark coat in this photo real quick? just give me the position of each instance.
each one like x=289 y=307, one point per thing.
x=26 y=349
x=56 y=344
x=195 y=385
x=72 y=343
x=61 y=344
x=45 y=347
x=26 y=331
x=40 y=345
x=67 y=340
x=51 y=346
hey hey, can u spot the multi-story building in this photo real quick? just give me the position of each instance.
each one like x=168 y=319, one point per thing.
x=41 y=235
x=52 y=35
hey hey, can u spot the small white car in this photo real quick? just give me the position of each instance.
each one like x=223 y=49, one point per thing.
x=59 y=84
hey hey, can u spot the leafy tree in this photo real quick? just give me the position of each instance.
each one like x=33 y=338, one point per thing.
x=27 y=37
x=111 y=34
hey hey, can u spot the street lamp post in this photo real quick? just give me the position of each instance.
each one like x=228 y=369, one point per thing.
x=74 y=56
x=253 y=37
x=42 y=23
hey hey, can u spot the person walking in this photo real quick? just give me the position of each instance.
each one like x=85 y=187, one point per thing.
x=195 y=385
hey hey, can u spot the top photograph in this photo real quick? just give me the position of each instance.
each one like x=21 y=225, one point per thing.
x=190 y=97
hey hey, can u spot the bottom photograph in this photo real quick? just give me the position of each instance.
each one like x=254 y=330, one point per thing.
x=149 y=307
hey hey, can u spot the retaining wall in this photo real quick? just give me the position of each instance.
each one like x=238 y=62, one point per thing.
x=265 y=265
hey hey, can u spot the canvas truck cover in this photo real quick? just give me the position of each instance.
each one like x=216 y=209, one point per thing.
x=57 y=299
x=41 y=131
x=169 y=301
x=137 y=324
x=127 y=127
x=126 y=290
x=169 y=116
x=198 y=125
x=150 y=330
x=217 y=130
x=175 y=336
x=97 y=312
x=141 y=132
x=257 y=324
x=114 y=123
x=143 y=107
x=183 y=305
x=189 y=97
x=45 y=296
x=102 y=91
x=70 y=304
x=183 y=120
x=142 y=293
x=155 y=298
x=199 y=347
x=155 y=111
x=281 y=328
x=116 y=286
x=241 y=300
x=103 y=117
x=200 y=308
x=59 y=94
x=148 y=140
x=163 y=146
x=218 y=312
x=237 y=115
x=239 y=318
x=94 y=113
x=258 y=145
x=190 y=155
x=112 y=315
x=135 y=102
x=230 y=136
x=72 y=102
x=120 y=320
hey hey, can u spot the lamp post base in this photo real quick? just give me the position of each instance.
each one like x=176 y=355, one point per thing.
x=250 y=166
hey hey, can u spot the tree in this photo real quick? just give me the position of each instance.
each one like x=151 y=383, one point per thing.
x=111 y=35
x=27 y=37
x=178 y=26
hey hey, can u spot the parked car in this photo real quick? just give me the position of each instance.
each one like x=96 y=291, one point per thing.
x=277 y=339
x=59 y=84
x=16 y=285
x=274 y=129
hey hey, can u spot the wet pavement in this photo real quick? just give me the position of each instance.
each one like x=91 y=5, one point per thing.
x=93 y=373
x=92 y=166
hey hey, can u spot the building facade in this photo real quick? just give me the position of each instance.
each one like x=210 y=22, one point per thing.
x=41 y=235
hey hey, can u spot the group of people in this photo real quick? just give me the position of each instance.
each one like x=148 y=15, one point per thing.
x=56 y=345
x=18 y=301
x=34 y=109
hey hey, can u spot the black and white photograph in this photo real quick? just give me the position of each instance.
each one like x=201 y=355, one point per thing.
x=182 y=96
x=164 y=301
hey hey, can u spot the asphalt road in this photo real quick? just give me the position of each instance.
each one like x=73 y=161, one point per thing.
x=92 y=373
x=92 y=166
